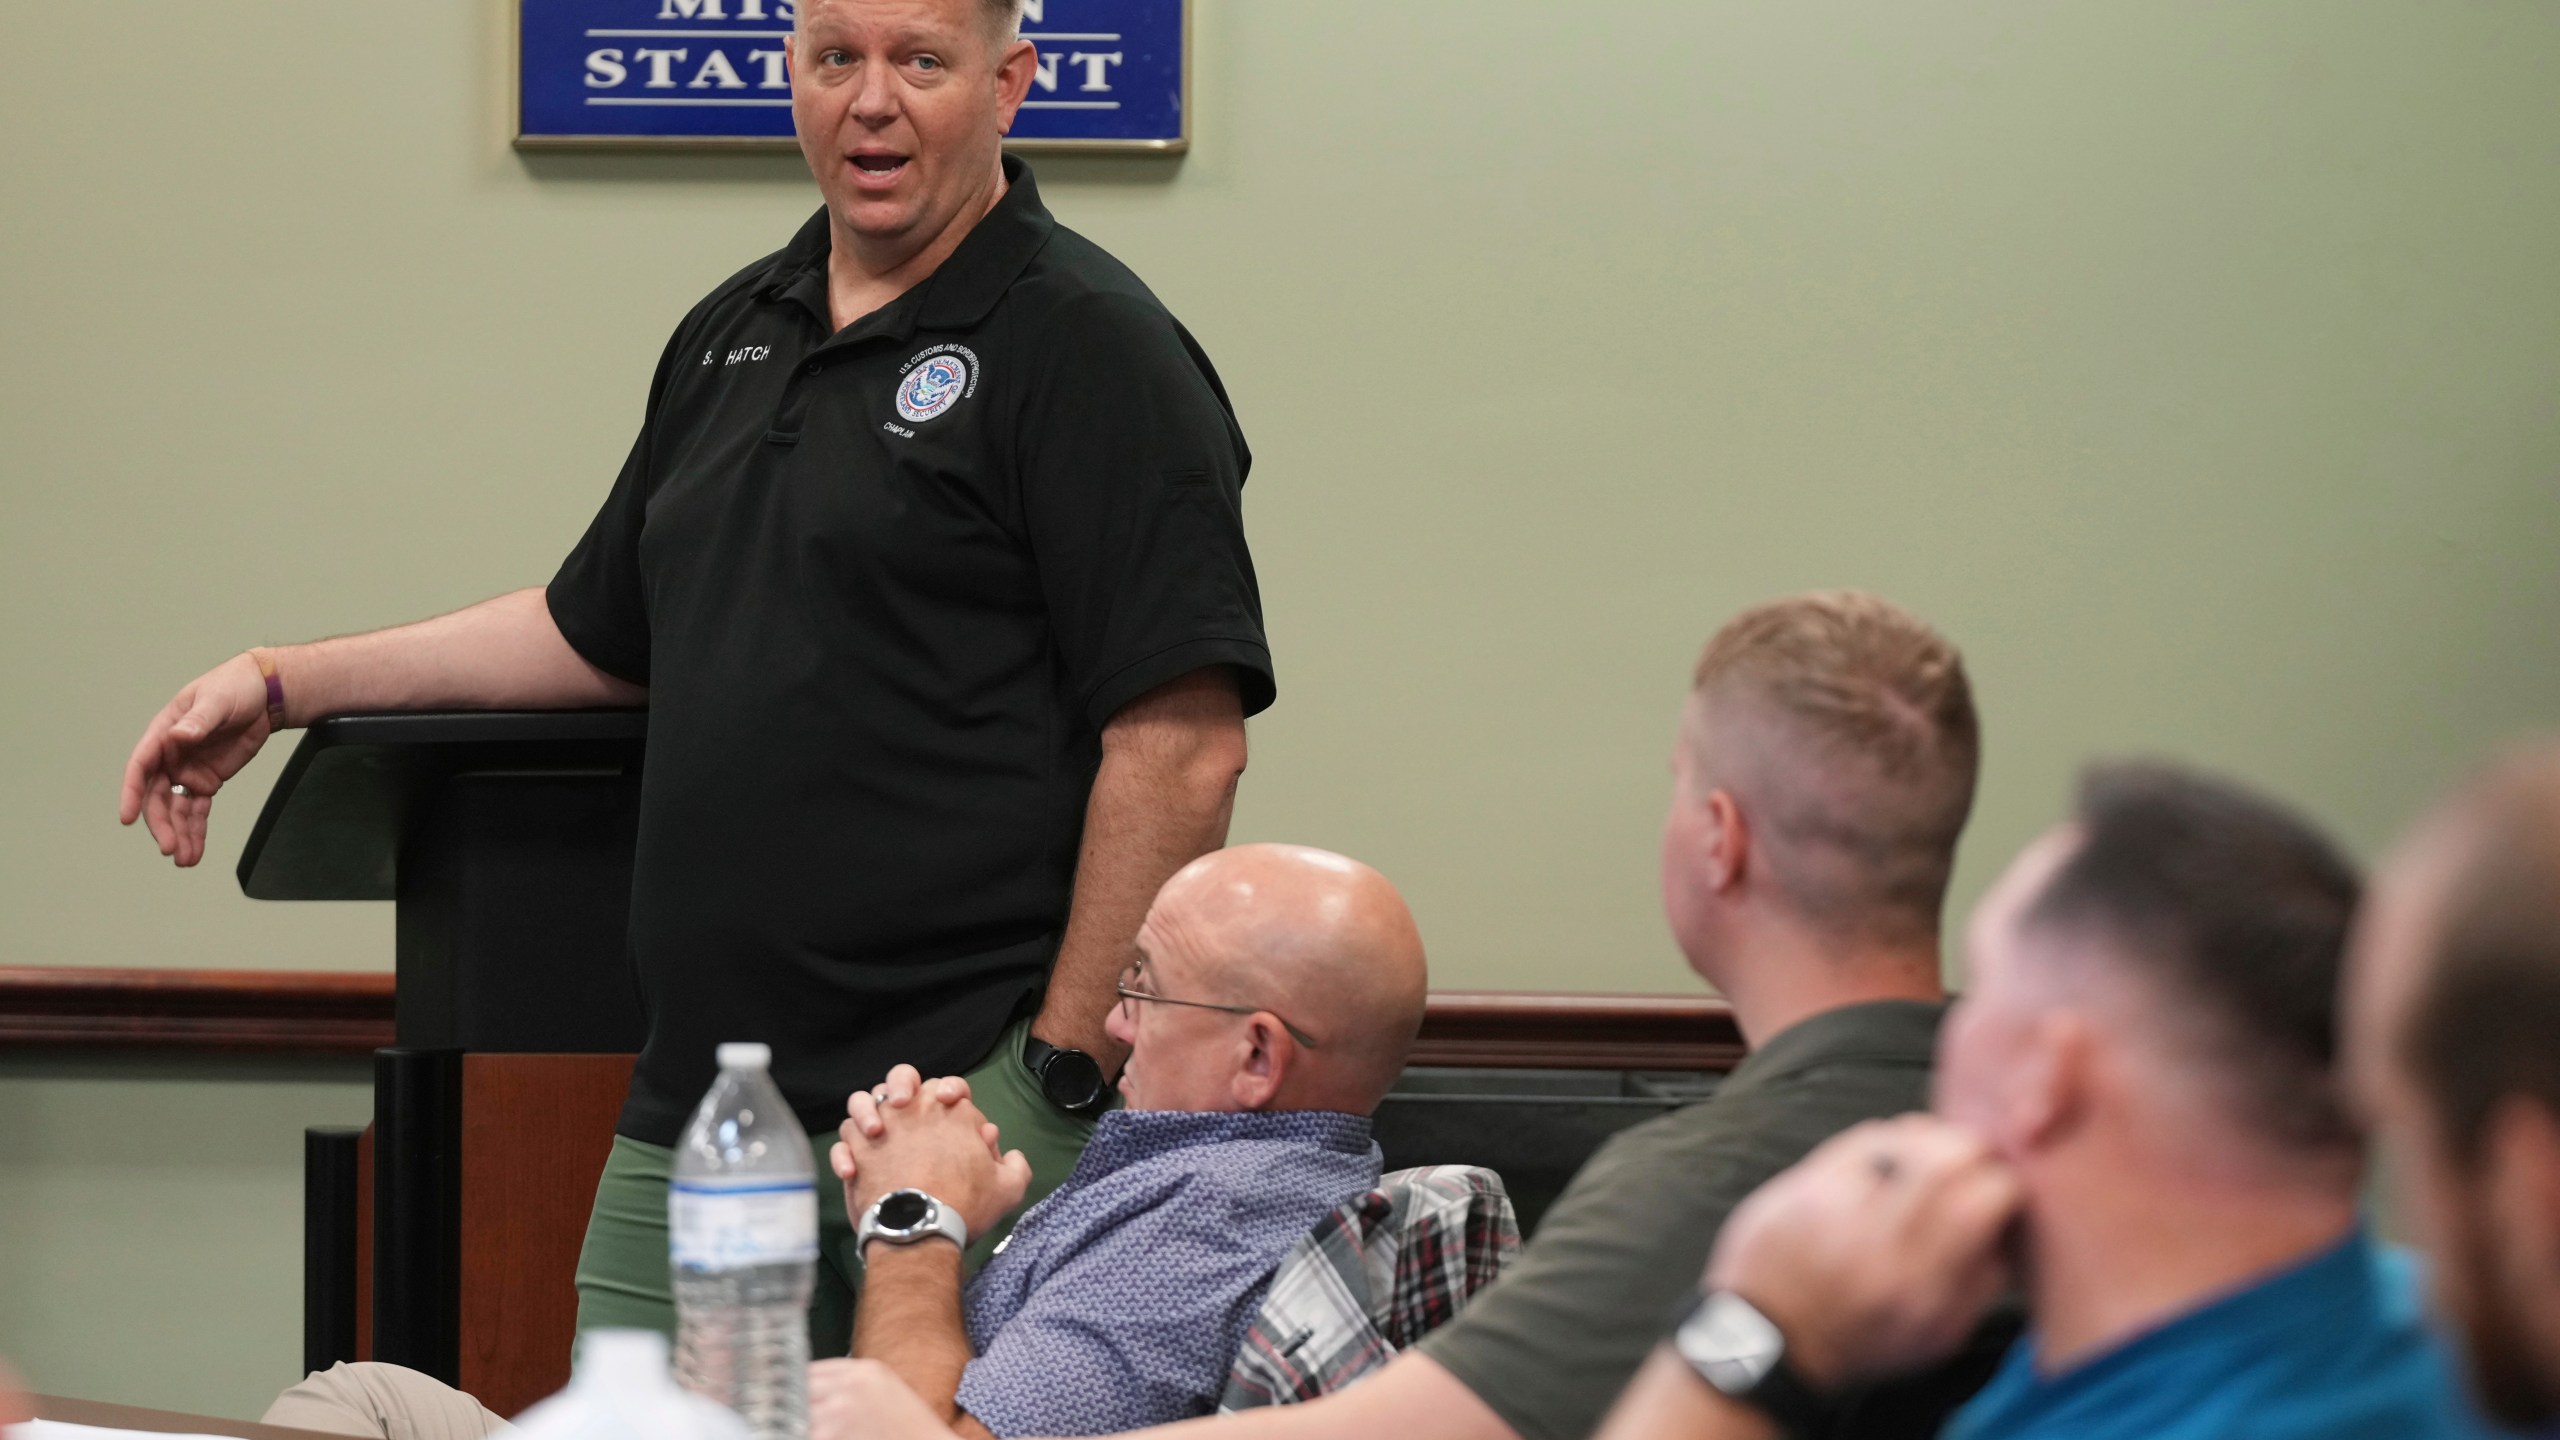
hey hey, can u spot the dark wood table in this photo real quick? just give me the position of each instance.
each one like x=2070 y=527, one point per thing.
x=134 y=1417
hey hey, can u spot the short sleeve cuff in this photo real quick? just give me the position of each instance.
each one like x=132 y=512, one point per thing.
x=985 y=1396
x=595 y=642
x=1484 y=1375
x=1246 y=655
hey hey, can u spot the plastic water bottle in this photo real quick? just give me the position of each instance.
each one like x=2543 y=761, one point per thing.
x=742 y=1231
x=622 y=1391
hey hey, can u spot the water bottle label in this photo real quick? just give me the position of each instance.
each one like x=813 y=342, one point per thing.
x=723 y=1227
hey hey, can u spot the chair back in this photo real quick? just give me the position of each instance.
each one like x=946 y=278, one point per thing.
x=1383 y=1270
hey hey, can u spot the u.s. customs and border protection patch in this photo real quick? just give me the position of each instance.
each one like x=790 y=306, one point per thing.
x=936 y=380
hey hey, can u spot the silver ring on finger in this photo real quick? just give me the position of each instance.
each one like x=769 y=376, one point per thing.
x=181 y=791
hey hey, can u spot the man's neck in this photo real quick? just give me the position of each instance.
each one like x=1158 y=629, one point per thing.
x=2112 y=1255
x=1786 y=977
x=867 y=272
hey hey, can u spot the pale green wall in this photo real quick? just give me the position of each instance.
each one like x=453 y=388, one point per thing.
x=2196 y=366
x=151 y=1224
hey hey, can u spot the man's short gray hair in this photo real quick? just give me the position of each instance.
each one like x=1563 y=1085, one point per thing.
x=1004 y=15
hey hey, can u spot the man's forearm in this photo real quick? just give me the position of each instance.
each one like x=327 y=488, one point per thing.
x=1667 y=1401
x=1161 y=800
x=501 y=653
x=909 y=1319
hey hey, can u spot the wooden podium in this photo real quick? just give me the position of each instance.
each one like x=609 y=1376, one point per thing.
x=447 y=1237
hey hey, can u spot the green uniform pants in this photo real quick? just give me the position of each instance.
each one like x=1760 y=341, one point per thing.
x=622 y=1269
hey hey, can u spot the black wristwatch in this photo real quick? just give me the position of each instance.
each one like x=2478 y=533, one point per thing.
x=1069 y=1078
x=1739 y=1351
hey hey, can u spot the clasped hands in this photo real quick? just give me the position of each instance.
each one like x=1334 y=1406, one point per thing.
x=909 y=1133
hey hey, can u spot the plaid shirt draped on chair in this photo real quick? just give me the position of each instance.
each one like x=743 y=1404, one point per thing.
x=1382 y=1271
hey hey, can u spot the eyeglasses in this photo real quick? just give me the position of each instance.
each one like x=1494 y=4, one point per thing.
x=1137 y=971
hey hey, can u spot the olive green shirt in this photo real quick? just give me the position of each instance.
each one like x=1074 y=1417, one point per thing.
x=1550 y=1346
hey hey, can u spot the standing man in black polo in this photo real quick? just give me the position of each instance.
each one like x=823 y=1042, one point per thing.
x=929 y=565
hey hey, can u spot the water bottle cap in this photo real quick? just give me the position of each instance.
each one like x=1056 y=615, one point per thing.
x=745 y=1055
x=624 y=1360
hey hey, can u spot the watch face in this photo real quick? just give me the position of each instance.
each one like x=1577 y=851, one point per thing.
x=903 y=1209
x=1730 y=1343
x=1071 y=1080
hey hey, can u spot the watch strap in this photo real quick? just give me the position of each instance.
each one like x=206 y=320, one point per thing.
x=940 y=1219
x=1039 y=1056
x=1782 y=1394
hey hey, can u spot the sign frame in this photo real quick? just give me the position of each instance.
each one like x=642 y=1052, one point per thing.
x=787 y=145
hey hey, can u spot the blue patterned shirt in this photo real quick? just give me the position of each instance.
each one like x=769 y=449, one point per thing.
x=1120 y=1300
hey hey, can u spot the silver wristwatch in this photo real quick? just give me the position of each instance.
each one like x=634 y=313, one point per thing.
x=903 y=1217
x=1740 y=1352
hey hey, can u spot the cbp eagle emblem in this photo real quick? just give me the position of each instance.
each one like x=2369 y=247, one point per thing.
x=932 y=387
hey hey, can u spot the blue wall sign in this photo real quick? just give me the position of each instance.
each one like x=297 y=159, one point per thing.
x=1114 y=74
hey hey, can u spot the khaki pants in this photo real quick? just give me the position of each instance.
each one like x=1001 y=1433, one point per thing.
x=622 y=1270
x=385 y=1401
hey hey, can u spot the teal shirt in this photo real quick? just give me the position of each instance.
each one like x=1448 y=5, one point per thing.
x=2336 y=1346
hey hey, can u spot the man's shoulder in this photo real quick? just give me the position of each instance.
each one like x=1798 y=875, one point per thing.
x=1075 y=288
x=1806 y=1103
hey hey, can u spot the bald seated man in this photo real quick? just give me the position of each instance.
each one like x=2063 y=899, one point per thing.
x=1276 y=992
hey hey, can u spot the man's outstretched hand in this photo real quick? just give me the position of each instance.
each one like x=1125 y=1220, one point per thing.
x=1879 y=1253
x=911 y=1133
x=199 y=739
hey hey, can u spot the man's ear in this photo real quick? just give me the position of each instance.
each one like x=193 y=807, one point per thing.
x=1014 y=69
x=2520 y=1183
x=1264 y=1066
x=1728 y=841
x=2048 y=1092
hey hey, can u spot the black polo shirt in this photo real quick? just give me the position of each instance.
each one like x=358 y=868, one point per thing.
x=885 y=587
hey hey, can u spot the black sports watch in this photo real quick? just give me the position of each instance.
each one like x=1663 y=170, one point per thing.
x=1069 y=1078
x=1739 y=1351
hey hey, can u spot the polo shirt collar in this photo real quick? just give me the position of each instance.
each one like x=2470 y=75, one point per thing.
x=1888 y=1030
x=955 y=296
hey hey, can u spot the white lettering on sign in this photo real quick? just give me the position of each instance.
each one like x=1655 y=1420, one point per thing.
x=1095 y=63
x=726 y=63
x=658 y=62
x=716 y=71
x=1031 y=10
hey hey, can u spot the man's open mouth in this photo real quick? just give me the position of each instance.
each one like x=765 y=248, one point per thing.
x=880 y=165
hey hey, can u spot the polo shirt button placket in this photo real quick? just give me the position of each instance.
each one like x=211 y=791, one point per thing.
x=785 y=429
